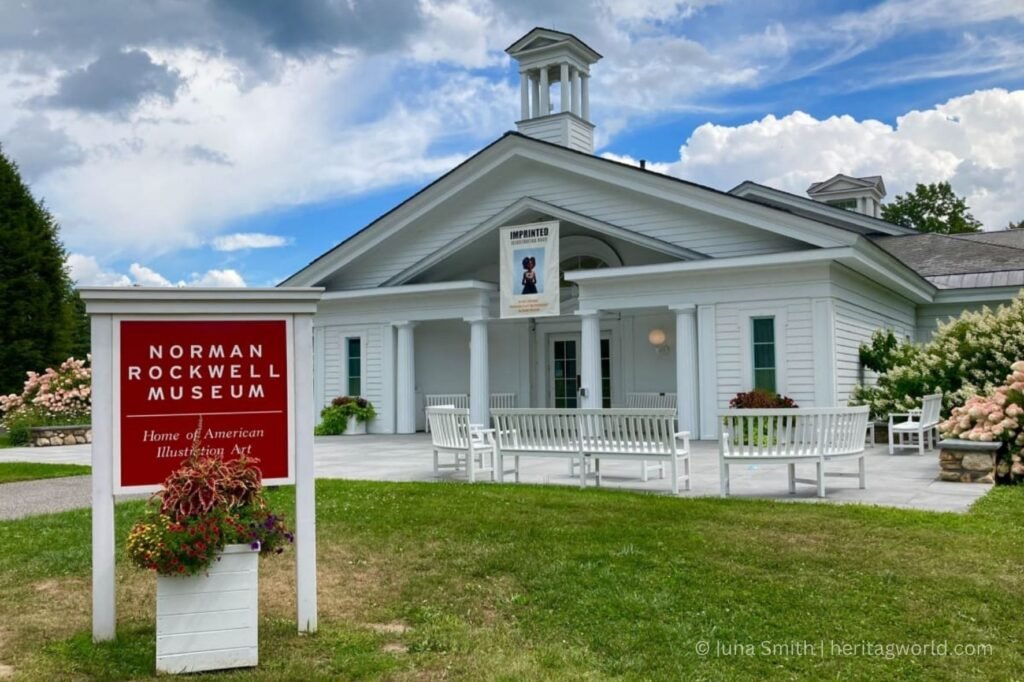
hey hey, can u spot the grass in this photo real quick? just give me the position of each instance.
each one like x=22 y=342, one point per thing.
x=431 y=581
x=11 y=472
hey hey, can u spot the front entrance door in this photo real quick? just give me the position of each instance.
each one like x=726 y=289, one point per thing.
x=564 y=367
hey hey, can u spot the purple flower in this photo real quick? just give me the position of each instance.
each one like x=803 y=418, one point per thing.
x=254 y=545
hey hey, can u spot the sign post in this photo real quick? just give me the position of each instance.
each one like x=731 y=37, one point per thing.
x=162 y=359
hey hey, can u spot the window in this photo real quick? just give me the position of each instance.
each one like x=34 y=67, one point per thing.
x=606 y=373
x=848 y=204
x=764 y=353
x=354 y=360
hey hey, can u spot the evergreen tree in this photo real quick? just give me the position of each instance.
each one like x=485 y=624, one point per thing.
x=37 y=315
x=932 y=208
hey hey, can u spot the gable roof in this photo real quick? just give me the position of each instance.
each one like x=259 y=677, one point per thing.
x=818 y=210
x=867 y=182
x=777 y=219
x=539 y=33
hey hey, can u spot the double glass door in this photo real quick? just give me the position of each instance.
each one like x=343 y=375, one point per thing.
x=565 y=371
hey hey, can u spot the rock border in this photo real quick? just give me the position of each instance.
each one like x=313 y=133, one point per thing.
x=49 y=436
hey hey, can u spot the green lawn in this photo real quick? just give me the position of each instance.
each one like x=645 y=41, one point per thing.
x=431 y=581
x=31 y=471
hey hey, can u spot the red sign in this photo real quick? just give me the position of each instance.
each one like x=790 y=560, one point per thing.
x=231 y=375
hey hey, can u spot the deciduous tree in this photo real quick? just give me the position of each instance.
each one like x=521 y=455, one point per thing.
x=932 y=208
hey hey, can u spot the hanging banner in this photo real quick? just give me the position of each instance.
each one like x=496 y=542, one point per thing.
x=529 y=270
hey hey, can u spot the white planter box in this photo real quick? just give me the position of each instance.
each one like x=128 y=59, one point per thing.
x=355 y=427
x=210 y=621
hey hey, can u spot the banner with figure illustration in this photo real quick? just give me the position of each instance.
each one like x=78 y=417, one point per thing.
x=529 y=270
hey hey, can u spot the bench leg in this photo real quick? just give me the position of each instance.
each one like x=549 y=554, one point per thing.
x=686 y=469
x=643 y=471
x=792 y=478
x=921 y=436
x=891 y=450
x=517 y=468
x=675 y=475
x=597 y=471
x=862 y=477
x=501 y=468
x=821 y=478
x=437 y=471
x=583 y=472
x=723 y=477
x=471 y=466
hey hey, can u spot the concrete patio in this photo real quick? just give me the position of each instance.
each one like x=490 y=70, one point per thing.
x=902 y=480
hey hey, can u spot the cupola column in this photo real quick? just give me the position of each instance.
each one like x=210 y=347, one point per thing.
x=524 y=95
x=545 y=94
x=575 y=74
x=565 y=91
x=585 y=98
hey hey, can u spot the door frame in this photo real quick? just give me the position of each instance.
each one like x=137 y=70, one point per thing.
x=548 y=363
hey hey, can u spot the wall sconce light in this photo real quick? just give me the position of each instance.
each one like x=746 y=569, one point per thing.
x=658 y=339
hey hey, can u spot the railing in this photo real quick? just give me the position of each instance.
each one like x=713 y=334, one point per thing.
x=653 y=401
x=461 y=400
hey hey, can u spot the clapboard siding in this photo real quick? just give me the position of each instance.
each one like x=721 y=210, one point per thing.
x=794 y=347
x=656 y=218
x=854 y=325
x=335 y=368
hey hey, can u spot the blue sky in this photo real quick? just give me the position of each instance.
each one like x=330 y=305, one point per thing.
x=224 y=142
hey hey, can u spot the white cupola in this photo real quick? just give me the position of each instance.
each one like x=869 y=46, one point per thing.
x=549 y=58
x=861 y=195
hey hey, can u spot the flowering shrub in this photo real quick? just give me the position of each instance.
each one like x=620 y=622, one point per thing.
x=995 y=417
x=205 y=505
x=760 y=399
x=334 y=417
x=967 y=356
x=57 y=396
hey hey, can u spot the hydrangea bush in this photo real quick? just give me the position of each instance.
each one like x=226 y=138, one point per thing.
x=967 y=356
x=57 y=396
x=996 y=416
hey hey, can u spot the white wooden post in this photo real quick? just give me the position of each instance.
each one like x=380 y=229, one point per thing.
x=524 y=95
x=405 y=381
x=590 y=358
x=479 y=379
x=824 y=353
x=305 y=482
x=386 y=415
x=564 y=88
x=585 y=97
x=576 y=91
x=545 y=93
x=534 y=94
x=687 y=400
x=104 y=607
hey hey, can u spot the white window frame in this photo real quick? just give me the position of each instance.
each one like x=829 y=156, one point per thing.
x=362 y=362
x=746 y=318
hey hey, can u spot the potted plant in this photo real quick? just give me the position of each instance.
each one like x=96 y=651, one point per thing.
x=202 y=534
x=345 y=415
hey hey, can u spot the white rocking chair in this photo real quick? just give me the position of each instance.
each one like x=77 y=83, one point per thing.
x=922 y=423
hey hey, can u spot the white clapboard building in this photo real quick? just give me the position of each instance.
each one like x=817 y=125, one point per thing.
x=667 y=286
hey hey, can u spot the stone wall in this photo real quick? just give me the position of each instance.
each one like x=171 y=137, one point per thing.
x=43 y=436
x=967 y=466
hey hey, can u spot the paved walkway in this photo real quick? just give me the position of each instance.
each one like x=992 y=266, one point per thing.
x=903 y=480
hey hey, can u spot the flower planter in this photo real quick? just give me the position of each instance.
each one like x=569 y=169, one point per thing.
x=209 y=621
x=355 y=427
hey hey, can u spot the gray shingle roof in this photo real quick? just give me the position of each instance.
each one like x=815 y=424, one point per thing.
x=985 y=259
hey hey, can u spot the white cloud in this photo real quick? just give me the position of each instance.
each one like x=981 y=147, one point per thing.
x=248 y=240
x=86 y=271
x=976 y=142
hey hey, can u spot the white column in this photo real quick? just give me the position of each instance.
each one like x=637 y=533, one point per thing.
x=386 y=415
x=585 y=98
x=576 y=91
x=104 y=609
x=479 y=377
x=534 y=94
x=305 y=482
x=524 y=96
x=686 y=369
x=707 y=372
x=565 y=87
x=823 y=315
x=545 y=93
x=405 y=380
x=590 y=357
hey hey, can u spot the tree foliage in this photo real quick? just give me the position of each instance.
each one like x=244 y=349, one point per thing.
x=932 y=208
x=39 y=323
x=966 y=356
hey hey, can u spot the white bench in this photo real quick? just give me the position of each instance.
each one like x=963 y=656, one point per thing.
x=592 y=435
x=792 y=436
x=923 y=423
x=461 y=400
x=472 y=446
x=647 y=401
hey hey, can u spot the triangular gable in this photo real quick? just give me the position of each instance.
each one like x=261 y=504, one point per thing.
x=658 y=205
